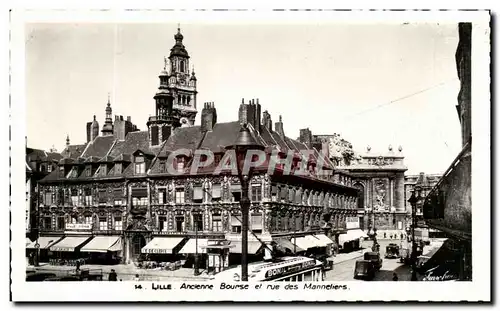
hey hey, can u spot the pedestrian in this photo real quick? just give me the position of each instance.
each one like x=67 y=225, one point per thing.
x=112 y=275
x=391 y=236
x=402 y=236
x=137 y=278
x=77 y=265
x=394 y=276
x=385 y=235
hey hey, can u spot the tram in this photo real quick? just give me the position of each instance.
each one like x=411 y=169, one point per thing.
x=287 y=269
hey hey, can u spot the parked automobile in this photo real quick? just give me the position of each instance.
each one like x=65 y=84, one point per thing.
x=404 y=255
x=364 y=269
x=392 y=251
x=39 y=276
x=374 y=258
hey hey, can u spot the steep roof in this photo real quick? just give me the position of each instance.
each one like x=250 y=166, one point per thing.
x=99 y=147
x=73 y=151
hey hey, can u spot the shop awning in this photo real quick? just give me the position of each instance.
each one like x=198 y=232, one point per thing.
x=323 y=238
x=306 y=242
x=285 y=243
x=253 y=247
x=316 y=241
x=190 y=247
x=103 y=244
x=45 y=242
x=161 y=245
x=69 y=244
x=358 y=234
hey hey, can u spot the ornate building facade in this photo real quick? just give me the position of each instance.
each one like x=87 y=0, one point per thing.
x=116 y=194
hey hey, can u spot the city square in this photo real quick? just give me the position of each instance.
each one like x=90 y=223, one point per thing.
x=197 y=197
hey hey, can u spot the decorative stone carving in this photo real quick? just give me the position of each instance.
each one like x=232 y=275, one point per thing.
x=380 y=192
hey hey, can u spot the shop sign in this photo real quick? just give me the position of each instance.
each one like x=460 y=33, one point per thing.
x=78 y=226
x=284 y=270
x=157 y=251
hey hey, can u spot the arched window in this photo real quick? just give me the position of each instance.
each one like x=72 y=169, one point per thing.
x=361 y=195
x=182 y=65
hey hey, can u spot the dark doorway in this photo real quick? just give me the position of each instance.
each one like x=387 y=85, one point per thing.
x=138 y=242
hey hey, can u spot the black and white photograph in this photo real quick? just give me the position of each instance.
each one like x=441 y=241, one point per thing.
x=204 y=155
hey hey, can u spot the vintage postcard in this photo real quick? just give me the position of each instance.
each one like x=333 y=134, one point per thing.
x=274 y=155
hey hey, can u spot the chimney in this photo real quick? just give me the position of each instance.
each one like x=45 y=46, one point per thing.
x=251 y=113
x=266 y=121
x=242 y=112
x=67 y=140
x=89 y=131
x=279 y=128
x=129 y=119
x=208 y=117
x=257 y=116
x=306 y=137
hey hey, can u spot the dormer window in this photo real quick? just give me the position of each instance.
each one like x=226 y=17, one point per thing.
x=180 y=164
x=103 y=170
x=162 y=166
x=140 y=165
x=49 y=168
x=118 y=169
x=88 y=171
x=61 y=171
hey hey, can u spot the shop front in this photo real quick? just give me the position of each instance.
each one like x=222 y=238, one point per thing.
x=38 y=250
x=164 y=249
x=217 y=252
x=103 y=250
x=67 y=251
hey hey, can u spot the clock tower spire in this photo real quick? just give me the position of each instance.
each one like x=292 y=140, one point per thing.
x=179 y=83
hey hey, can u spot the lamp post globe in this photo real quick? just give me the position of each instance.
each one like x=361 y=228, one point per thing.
x=244 y=142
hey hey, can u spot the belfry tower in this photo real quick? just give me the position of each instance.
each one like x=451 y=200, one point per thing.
x=175 y=99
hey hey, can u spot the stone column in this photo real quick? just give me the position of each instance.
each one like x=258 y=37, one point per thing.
x=399 y=192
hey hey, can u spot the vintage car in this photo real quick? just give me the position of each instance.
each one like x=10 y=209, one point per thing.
x=374 y=258
x=364 y=269
x=392 y=251
x=404 y=255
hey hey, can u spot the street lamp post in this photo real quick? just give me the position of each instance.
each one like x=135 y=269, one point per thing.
x=196 y=256
x=244 y=143
x=413 y=201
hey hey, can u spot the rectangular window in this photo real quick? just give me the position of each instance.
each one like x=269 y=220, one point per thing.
x=103 y=223
x=256 y=193
x=236 y=224
x=140 y=168
x=103 y=170
x=88 y=196
x=88 y=219
x=179 y=196
x=60 y=223
x=74 y=219
x=274 y=193
x=180 y=165
x=118 y=223
x=74 y=197
x=179 y=223
x=216 y=222
x=47 y=223
x=256 y=223
x=162 y=223
x=88 y=171
x=197 y=194
x=49 y=168
x=162 y=166
x=198 y=222
x=48 y=198
x=162 y=196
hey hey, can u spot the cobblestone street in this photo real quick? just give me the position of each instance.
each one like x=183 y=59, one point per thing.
x=344 y=270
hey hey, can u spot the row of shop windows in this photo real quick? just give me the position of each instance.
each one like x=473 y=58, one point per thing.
x=198 y=195
x=100 y=223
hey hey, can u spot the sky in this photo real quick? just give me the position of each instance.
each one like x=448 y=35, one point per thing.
x=375 y=84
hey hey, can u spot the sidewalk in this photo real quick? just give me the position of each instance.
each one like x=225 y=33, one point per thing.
x=128 y=272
